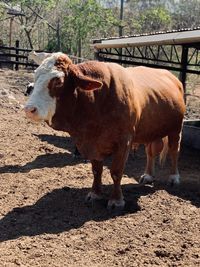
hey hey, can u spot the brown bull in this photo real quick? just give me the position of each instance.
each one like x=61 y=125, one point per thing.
x=107 y=108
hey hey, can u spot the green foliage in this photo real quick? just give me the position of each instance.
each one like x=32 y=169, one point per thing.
x=70 y=25
x=144 y=16
x=83 y=20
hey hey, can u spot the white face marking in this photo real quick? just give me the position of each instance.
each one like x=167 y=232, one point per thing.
x=40 y=97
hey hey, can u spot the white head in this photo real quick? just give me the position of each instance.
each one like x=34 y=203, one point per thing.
x=41 y=105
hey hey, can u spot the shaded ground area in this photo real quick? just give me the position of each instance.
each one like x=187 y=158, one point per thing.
x=45 y=222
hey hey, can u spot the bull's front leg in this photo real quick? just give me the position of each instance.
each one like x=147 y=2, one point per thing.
x=95 y=193
x=117 y=168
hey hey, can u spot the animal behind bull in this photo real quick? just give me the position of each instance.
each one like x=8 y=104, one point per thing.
x=106 y=108
x=38 y=57
x=29 y=89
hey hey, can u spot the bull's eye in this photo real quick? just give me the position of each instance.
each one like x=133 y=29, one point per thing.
x=55 y=87
x=52 y=92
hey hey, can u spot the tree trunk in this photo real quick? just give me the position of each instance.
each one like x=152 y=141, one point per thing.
x=28 y=34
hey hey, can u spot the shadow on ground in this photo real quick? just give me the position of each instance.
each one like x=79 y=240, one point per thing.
x=54 y=160
x=64 y=209
x=64 y=142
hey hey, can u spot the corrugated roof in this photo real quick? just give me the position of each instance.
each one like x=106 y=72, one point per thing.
x=182 y=36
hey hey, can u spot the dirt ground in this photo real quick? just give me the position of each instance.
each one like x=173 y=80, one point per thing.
x=44 y=220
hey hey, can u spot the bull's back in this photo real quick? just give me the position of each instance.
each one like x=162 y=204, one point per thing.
x=161 y=103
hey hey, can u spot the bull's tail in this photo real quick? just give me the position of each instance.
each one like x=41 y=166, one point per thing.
x=163 y=153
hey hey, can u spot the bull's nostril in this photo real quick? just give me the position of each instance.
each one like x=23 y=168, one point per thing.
x=30 y=110
x=33 y=110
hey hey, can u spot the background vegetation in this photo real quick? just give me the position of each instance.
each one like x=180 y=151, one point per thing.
x=70 y=25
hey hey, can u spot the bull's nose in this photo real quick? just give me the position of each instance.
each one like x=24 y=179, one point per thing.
x=30 y=110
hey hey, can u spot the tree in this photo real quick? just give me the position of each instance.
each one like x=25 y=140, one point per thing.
x=30 y=20
x=3 y=20
x=84 y=20
x=69 y=25
x=144 y=16
x=186 y=14
x=155 y=19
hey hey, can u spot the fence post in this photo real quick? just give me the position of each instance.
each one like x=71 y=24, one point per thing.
x=17 y=53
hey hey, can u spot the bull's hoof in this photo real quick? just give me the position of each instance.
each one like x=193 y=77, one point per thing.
x=114 y=204
x=79 y=157
x=91 y=197
x=174 y=179
x=76 y=156
x=146 y=179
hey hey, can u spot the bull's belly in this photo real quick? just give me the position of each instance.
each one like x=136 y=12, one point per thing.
x=147 y=134
x=96 y=147
x=94 y=142
x=95 y=151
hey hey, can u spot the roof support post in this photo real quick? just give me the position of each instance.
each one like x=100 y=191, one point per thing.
x=121 y=26
x=183 y=72
x=96 y=55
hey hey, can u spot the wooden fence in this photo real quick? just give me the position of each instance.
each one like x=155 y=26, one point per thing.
x=14 y=57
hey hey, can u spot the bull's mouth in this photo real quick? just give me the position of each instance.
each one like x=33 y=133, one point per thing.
x=33 y=118
x=35 y=121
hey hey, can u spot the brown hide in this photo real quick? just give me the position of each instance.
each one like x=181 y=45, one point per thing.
x=101 y=104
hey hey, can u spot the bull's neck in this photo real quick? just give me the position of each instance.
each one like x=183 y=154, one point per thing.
x=64 y=115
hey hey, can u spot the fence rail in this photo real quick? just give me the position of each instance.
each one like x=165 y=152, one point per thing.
x=15 y=56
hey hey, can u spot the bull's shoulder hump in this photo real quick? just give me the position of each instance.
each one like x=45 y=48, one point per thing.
x=100 y=69
x=92 y=66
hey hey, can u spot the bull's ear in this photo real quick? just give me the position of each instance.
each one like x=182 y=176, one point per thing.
x=55 y=86
x=87 y=83
x=83 y=81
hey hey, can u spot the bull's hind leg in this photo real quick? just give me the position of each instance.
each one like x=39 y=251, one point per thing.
x=97 y=169
x=152 y=150
x=174 y=140
x=119 y=160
